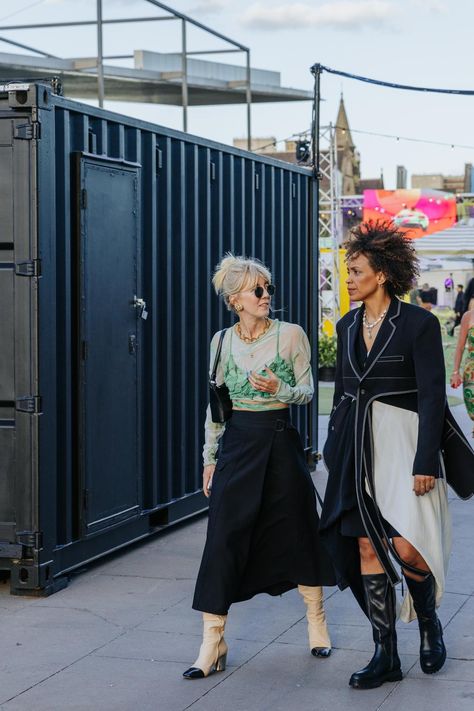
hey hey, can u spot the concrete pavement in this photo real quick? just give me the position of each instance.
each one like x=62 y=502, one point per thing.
x=120 y=635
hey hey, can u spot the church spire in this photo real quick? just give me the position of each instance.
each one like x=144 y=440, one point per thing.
x=343 y=132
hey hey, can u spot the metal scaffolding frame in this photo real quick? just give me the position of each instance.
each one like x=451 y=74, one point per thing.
x=329 y=228
x=173 y=15
x=328 y=211
x=352 y=201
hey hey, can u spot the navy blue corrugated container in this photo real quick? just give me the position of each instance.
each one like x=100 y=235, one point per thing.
x=106 y=220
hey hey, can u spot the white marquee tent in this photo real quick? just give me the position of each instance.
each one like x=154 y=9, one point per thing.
x=457 y=241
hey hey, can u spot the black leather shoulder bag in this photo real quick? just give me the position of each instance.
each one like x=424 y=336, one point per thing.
x=219 y=398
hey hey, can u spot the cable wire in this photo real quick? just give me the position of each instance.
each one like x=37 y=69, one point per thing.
x=391 y=85
x=23 y=9
x=282 y=140
x=371 y=133
x=406 y=138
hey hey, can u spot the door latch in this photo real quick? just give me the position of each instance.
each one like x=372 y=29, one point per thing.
x=140 y=305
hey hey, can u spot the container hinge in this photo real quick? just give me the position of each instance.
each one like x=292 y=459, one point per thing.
x=83 y=199
x=83 y=350
x=159 y=158
x=28 y=131
x=30 y=404
x=32 y=539
x=29 y=269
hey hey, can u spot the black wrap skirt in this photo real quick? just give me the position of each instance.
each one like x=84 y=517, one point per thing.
x=263 y=524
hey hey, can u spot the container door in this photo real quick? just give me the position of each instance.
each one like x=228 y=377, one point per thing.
x=19 y=395
x=110 y=321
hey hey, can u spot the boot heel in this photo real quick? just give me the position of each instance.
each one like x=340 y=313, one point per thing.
x=395 y=676
x=221 y=663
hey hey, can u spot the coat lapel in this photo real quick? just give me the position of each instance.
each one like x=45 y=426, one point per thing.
x=384 y=336
x=352 y=334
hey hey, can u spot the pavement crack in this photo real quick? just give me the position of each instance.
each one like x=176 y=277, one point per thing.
x=86 y=610
x=247 y=661
x=66 y=666
x=145 y=577
x=457 y=612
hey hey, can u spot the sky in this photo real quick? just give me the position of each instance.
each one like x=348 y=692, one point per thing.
x=419 y=42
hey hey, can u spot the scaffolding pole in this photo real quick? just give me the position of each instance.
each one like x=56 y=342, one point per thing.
x=248 y=96
x=100 y=56
x=329 y=231
x=184 y=69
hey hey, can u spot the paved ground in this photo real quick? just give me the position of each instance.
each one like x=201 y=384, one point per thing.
x=119 y=637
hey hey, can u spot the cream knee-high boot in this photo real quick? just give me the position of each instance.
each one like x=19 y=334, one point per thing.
x=213 y=651
x=319 y=641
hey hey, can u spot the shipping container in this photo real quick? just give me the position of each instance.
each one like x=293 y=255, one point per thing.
x=110 y=230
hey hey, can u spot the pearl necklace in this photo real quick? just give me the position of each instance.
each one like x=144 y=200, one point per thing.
x=370 y=326
x=249 y=339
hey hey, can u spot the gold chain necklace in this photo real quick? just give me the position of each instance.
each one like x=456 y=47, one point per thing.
x=249 y=339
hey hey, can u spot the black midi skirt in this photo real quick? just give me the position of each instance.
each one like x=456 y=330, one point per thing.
x=263 y=524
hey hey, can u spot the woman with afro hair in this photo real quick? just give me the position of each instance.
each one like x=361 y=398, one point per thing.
x=386 y=498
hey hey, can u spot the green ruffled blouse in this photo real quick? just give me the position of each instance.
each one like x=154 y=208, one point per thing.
x=284 y=349
x=239 y=386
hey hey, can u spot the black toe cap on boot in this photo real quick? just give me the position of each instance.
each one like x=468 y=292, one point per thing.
x=193 y=673
x=321 y=651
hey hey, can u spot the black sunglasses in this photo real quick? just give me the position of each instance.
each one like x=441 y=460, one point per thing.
x=259 y=290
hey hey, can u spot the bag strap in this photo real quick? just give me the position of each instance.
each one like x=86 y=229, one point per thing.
x=218 y=355
x=320 y=501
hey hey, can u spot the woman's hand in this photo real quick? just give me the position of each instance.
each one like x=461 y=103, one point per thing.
x=423 y=484
x=207 y=474
x=268 y=383
x=456 y=380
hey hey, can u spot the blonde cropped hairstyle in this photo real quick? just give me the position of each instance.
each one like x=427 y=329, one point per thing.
x=234 y=274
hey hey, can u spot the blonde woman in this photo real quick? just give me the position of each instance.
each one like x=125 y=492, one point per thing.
x=263 y=527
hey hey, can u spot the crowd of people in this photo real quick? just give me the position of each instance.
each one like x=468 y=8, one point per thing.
x=426 y=296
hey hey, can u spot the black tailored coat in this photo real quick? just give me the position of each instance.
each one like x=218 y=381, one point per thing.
x=405 y=368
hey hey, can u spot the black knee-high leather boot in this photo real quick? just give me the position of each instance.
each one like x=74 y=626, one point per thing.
x=432 y=649
x=385 y=664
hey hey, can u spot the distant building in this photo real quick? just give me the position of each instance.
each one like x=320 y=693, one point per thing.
x=401 y=177
x=371 y=184
x=288 y=154
x=268 y=147
x=258 y=145
x=428 y=180
x=469 y=177
x=450 y=183
x=454 y=184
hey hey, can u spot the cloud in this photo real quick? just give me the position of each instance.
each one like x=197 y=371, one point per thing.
x=341 y=14
x=208 y=7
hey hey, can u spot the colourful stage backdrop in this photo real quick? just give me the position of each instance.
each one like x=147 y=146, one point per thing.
x=419 y=212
